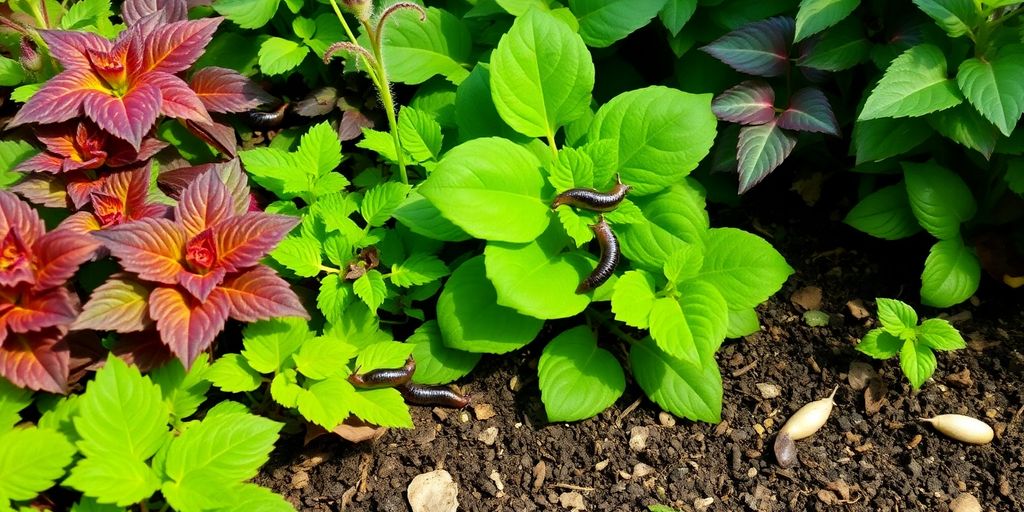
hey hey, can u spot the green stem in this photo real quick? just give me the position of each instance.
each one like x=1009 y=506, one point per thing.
x=551 y=143
x=387 y=99
x=608 y=322
x=329 y=270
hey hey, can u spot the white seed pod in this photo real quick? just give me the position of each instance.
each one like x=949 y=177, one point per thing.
x=811 y=417
x=962 y=428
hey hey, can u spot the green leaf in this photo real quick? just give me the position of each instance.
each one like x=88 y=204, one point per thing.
x=420 y=133
x=965 y=126
x=577 y=378
x=423 y=218
x=918 y=363
x=285 y=389
x=956 y=17
x=31 y=459
x=672 y=221
x=277 y=171
x=707 y=317
x=326 y=402
x=659 y=135
x=247 y=13
x=995 y=86
x=842 y=47
x=573 y=169
x=761 y=150
x=85 y=13
x=335 y=295
x=742 y=322
x=384 y=407
x=233 y=374
x=603 y=22
x=879 y=139
x=268 y=345
x=323 y=357
x=951 y=274
x=183 y=391
x=11 y=72
x=896 y=316
x=303 y=27
x=470 y=318
x=915 y=84
x=879 y=344
x=537 y=278
x=676 y=13
x=383 y=354
x=686 y=390
x=58 y=416
x=435 y=362
x=885 y=214
x=379 y=142
x=22 y=93
x=381 y=201
x=939 y=198
x=634 y=298
x=12 y=400
x=939 y=335
x=492 y=189
x=319 y=150
x=671 y=332
x=576 y=226
x=121 y=413
x=279 y=55
x=116 y=478
x=12 y=153
x=817 y=15
x=299 y=254
x=744 y=267
x=415 y=51
x=541 y=75
x=87 y=504
x=249 y=497
x=226 y=448
x=371 y=289
x=420 y=268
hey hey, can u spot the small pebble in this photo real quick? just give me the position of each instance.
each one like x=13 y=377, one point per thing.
x=641 y=470
x=638 y=438
x=601 y=465
x=488 y=436
x=483 y=411
x=433 y=492
x=768 y=390
x=965 y=503
x=703 y=503
x=666 y=419
x=752 y=472
x=572 y=500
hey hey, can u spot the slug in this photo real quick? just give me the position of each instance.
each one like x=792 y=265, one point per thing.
x=432 y=395
x=267 y=120
x=803 y=423
x=962 y=428
x=385 y=377
x=590 y=199
x=610 y=256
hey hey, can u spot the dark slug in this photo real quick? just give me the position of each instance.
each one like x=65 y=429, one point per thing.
x=610 y=256
x=267 y=120
x=385 y=377
x=590 y=199
x=416 y=394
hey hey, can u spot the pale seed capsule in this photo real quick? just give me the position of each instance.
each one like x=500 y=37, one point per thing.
x=962 y=428
x=811 y=417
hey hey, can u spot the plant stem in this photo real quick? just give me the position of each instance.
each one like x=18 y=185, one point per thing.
x=329 y=270
x=551 y=143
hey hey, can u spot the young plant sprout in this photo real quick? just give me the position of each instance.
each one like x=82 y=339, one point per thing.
x=803 y=423
x=962 y=428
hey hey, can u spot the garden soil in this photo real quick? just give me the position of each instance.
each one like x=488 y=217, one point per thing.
x=873 y=454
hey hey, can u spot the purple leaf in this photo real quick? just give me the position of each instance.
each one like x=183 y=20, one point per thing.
x=761 y=149
x=134 y=10
x=759 y=48
x=809 y=111
x=751 y=102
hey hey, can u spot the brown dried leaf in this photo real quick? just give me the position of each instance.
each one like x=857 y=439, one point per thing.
x=874 y=396
x=857 y=309
x=808 y=297
x=860 y=375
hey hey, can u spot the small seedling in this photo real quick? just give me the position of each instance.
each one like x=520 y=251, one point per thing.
x=915 y=344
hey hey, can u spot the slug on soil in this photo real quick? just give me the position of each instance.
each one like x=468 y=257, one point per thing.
x=962 y=428
x=803 y=423
x=432 y=395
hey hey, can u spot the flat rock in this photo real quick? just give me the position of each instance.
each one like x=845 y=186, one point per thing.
x=433 y=492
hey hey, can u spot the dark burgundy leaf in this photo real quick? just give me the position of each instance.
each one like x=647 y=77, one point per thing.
x=761 y=149
x=759 y=48
x=809 y=111
x=751 y=102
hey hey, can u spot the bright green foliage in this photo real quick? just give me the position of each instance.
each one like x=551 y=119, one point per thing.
x=541 y=75
x=13 y=153
x=305 y=173
x=436 y=363
x=577 y=378
x=684 y=389
x=603 y=22
x=956 y=17
x=817 y=15
x=915 y=84
x=915 y=344
x=415 y=51
x=247 y=13
x=995 y=86
x=951 y=274
x=939 y=199
x=31 y=459
x=885 y=214
x=743 y=267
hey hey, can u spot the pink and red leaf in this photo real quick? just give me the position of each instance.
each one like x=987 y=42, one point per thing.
x=178 y=99
x=128 y=117
x=242 y=241
x=809 y=111
x=260 y=294
x=173 y=10
x=60 y=99
x=121 y=304
x=173 y=47
x=36 y=361
x=204 y=203
x=186 y=325
x=58 y=256
x=71 y=48
x=751 y=102
x=227 y=91
x=151 y=248
x=759 y=48
x=35 y=312
x=761 y=149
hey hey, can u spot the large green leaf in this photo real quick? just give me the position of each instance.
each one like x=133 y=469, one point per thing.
x=435 y=362
x=30 y=460
x=384 y=407
x=326 y=402
x=686 y=390
x=842 y=47
x=415 y=51
x=676 y=13
x=634 y=298
x=247 y=13
x=471 y=319
x=674 y=219
x=878 y=139
x=939 y=199
x=577 y=378
x=744 y=268
x=964 y=125
x=817 y=15
x=956 y=17
x=915 y=84
x=231 y=373
x=541 y=75
x=537 y=278
x=269 y=344
x=885 y=214
x=184 y=391
x=12 y=400
x=115 y=478
x=602 y=22
x=951 y=274
x=659 y=135
x=492 y=189
x=995 y=86
x=670 y=331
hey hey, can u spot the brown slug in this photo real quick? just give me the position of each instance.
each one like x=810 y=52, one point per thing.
x=590 y=199
x=442 y=396
x=610 y=255
x=384 y=377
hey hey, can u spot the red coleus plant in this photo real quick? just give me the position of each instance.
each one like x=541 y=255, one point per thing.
x=36 y=306
x=123 y=85
x=194 y=271
x=120 y=197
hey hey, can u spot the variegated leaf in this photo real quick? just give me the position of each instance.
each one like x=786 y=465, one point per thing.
x=759 y=48
x=809 y=111
x=186 y=325
x=151 y=248
x=751 y=102
x=242 y=241
x=37 y=361
x=260 y=294
x=227 y=91
x=120 y=304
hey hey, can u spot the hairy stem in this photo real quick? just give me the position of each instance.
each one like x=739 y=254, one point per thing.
x=387 y=99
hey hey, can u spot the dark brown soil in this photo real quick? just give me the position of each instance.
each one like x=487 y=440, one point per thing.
x=859 y=461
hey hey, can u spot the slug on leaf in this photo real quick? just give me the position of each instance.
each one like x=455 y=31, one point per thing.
x=384 y=377
x=610 y=255
x=590 y=199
